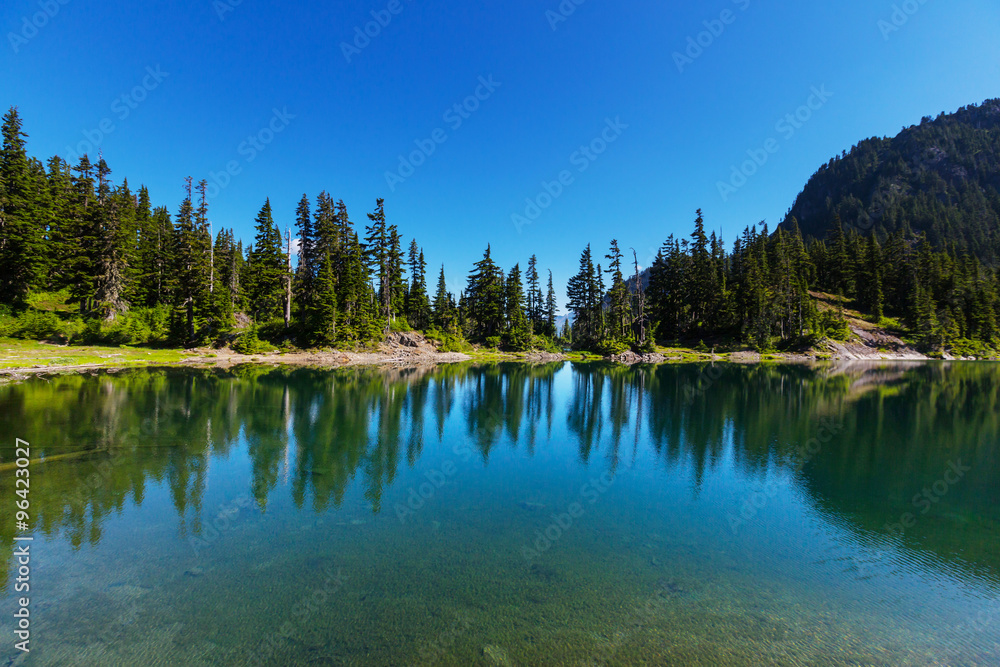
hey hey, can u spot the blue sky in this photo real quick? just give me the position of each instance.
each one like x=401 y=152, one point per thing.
x=201 y=77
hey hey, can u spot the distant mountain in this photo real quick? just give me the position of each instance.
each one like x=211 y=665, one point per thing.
x=941 y=177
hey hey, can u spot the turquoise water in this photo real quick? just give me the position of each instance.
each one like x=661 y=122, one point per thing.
x=560 y=514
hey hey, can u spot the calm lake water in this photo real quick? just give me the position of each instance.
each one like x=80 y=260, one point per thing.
x=560 y=514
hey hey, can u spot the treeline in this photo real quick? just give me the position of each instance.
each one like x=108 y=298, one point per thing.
x=140 y=275
x=759 y=294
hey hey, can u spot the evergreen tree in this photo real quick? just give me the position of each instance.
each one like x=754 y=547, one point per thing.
x=585 y=295
x=306 y=269
x=535 y=303
x=618 y=297
x=378 y=255
x=444 y=316
x=266 y=269
x=517 y=336
x=325 y=304
x=484 y=298
x=550 y=309
x=417 y=304
x=21 y=235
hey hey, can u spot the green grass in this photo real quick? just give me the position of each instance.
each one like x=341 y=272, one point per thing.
x=26 y=354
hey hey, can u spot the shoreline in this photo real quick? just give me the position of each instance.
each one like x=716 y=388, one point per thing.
x=120 y=359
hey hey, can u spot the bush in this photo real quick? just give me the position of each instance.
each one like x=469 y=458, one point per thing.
x=38 y=325
x=832 y=324
x=448 y=342
x=142 y=326
x=545 y=343
x=249 y=343
x=964 y=347
x=612 y=347
x=400 y=325
x=648 y=346
x=492 y=342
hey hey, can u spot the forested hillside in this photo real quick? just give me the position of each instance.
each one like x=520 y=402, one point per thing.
x=84 y=260
x=940 y=178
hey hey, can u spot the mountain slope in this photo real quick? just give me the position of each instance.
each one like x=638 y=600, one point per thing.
x=941 y=177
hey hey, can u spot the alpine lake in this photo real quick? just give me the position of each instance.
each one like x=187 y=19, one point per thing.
x=507 y=514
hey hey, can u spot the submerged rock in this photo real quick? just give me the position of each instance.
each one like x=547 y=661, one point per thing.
x=530 y=506
x=194 y=572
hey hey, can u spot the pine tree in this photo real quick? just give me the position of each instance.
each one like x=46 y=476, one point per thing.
x=397 y=281
x=618 y=297
x=377 y=252
x=188 y=279
x=108 y=256
x=585 y=294
x=266 y=269
x=870 y=289
x=444 y=316
x=21 y=234
x=534 y=299
x=701 y=289
x=306 y=270
x=417 y=304
x=484 y=298
x=550 y=309
x=517 y=335
x=325 y=332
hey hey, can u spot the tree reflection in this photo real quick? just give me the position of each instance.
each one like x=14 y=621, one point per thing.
x=106 y=437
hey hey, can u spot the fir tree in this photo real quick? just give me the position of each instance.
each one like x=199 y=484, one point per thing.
x=266 y=269
x=517 y=335
x=20 y=233
x=485 y=299
x=325 y=304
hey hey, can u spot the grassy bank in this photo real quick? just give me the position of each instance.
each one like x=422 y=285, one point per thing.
x=18 y=354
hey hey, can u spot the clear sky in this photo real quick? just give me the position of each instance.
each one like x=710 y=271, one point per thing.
x=168 y=89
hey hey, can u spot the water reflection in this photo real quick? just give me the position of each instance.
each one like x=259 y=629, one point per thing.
x=898 y=431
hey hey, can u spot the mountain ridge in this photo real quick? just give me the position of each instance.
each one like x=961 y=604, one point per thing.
x=940 y=178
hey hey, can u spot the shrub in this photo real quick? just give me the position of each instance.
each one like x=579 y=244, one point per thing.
x=38 y=325
x=448 y=342
x=249 y=343
x=492 y=342
x=612 y=347
x=832 y=324
x=400 y=325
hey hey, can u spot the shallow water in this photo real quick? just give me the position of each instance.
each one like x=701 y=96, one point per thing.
x=510 y=515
